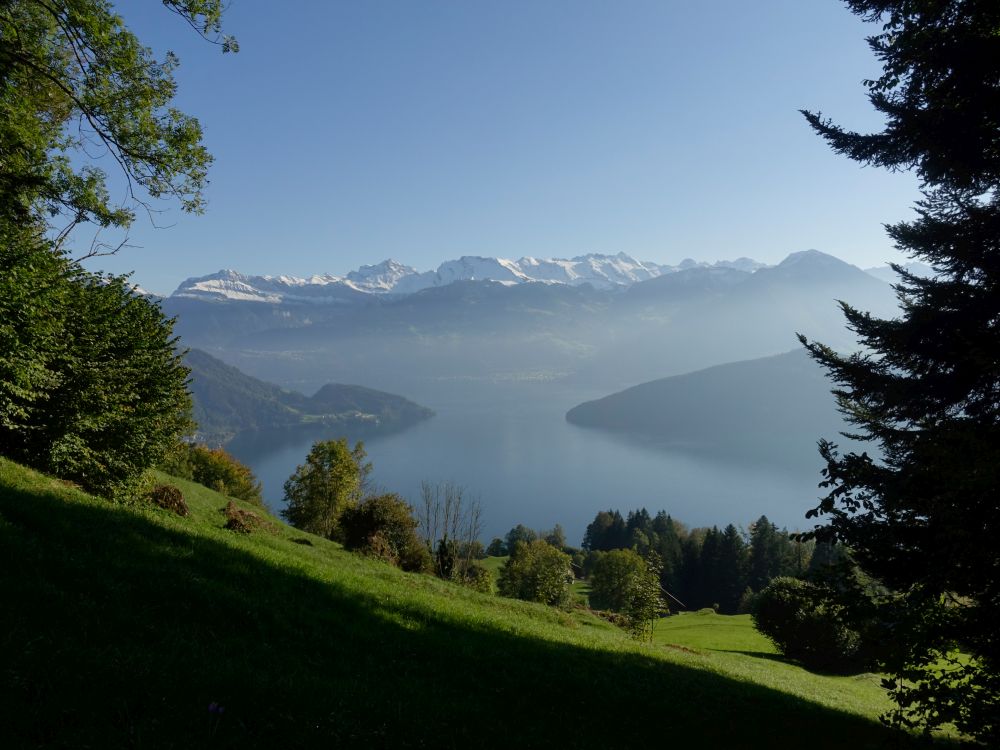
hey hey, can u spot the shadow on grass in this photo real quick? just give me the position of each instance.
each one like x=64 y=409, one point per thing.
x=785 y=660
x=760 y=655
x=117 y=632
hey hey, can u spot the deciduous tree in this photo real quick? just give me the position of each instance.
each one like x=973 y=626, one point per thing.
x=332 y=479
x=536 y=572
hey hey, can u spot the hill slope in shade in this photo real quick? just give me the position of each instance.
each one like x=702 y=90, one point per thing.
x=129 y=626
x=759 y=407
x=228 y=402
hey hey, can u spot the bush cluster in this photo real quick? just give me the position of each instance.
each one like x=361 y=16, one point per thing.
x=536 y=572
x=213 y=468
x=807 y=623
x=383 y=526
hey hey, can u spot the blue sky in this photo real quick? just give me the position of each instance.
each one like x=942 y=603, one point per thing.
x=350 y=132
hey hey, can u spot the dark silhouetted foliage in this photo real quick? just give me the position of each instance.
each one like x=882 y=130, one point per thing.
x=922 y=510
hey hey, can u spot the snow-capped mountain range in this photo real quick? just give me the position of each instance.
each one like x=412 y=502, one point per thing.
x=392 y=278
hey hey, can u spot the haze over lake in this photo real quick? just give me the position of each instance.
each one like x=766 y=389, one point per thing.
x=511 y=445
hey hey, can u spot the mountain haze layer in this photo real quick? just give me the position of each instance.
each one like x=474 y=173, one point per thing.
x=485 y=330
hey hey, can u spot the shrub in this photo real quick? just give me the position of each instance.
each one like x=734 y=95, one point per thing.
x=612 y=576
x=478 y=578
x=170 y=498
x=806 y=623
x=219 y=471
x=213 y=468
x=536 y=572
x=384 y=527
x=91 y=387
x=747 y=600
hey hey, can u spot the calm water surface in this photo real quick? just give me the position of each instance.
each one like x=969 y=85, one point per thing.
x=511 y=446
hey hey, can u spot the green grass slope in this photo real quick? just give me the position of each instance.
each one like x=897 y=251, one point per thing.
x=120 y=627
x=733 y=645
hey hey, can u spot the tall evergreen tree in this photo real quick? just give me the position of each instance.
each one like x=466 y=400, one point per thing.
x=711 y=569
x=923 y=513
x=669 y=549
x=732 y=569
x=766 y=553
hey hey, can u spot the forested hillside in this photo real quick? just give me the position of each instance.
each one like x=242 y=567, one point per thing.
x=227 y=402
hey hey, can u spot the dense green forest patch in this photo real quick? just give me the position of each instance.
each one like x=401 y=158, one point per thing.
x=129 y=625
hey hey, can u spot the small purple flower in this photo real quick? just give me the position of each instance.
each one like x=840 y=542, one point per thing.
x=215 y=708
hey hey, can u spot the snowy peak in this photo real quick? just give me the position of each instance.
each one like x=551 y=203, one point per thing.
x=393 y=278
x=475 y=268
x=229 y=285
x=382 y=277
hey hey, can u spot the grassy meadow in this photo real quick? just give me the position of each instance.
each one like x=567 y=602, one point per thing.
x=128 y=626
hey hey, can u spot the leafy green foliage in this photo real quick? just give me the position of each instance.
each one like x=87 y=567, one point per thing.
x=519 y=533
x=922 y=516
x=75 y=80
x=331 y=480
x=91 y=388
x=496 y=547
x=704 y=567
x=384 y=527
x=536 y=572
x=478 y=578
x=612 y=575
x=622 y=581
x=804 y=622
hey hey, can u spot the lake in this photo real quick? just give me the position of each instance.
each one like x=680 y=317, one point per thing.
x=510 y=445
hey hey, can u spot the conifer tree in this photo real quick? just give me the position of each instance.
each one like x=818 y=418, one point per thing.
x=922 y=511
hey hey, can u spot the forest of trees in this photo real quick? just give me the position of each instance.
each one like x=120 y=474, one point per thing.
x=704 y=567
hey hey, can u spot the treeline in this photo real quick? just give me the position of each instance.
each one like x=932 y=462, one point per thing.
x=703 y=567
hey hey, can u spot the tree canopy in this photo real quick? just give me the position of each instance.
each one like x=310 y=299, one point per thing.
x=922 y=511
x=77 y=86
x=91 y=385
x=536 y=572
x=331 y=480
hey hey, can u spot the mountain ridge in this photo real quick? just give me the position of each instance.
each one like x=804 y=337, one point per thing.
x=760 y=406
x=391 y=278
x=228 y=402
